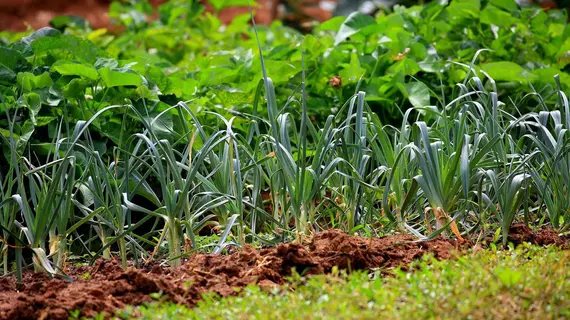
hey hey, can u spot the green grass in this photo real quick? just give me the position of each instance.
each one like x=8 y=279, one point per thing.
x=526 y=283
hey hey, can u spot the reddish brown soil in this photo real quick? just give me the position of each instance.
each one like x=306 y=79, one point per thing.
x=520 y=233
x=110 y=288
x=15 y=15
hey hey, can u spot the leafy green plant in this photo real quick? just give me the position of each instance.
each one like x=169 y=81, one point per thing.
x=549 y=174
x=83 y=70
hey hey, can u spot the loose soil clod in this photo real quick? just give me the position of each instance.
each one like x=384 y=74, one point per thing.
x=520 y=232
x=110 y=288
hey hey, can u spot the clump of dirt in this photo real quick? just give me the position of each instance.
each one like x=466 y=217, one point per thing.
x=15 y=14
x=520 y=232
x=106 y=287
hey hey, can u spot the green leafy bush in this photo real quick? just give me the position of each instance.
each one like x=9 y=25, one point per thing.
x=411 y=57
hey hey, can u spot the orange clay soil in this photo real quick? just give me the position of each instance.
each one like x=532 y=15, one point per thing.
x=16 y=14
x=111 y=288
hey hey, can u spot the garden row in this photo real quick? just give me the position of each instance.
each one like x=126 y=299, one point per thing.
x=139 y=143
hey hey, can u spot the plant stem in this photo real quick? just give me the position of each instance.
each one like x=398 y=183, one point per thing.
x=173 y=242
x=61 y=251
x=123 y=252
x=5 y=259
x=19 y=281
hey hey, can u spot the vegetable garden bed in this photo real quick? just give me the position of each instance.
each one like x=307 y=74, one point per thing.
x=182 y=135
x=106 y=287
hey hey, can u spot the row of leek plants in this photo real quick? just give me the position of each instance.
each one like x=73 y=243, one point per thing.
x=464 y=167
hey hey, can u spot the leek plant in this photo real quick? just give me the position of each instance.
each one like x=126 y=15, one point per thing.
x=101 y=202
x=551 y=173
x=353 y=148
x=392 y=151
x=233 y=167
x=304 y=178
x=44 y=195
x=180 y=179
x=367 y=154
x=9 y=206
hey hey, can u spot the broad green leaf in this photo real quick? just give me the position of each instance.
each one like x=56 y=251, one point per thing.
x=68 y=47
x=405 y=66
x=280 y=71
x=418 y=94
x=28 y=81
x=312 y=46
x=509 y=5
x=538 y=23
x=463 y=11
x=183 y=89
x=564 y=53
x=491 y=15
x=331 y=25
x=221 y=4
x=556 y=30
x=43 y=80
x=12 y=59
x=218 y=75
x=34 y=104
x=44 y=120
x=7 y=76
x=353 y=71
x=432 y=64
x=352 y=25
x=113 y=78
x=70 y=68
x=434 y=8
x=391 y=23
x=75 y=88
x=506 y=71
x=155 y=76
x=163 y=126
x=6 y=134
x=62 y=22
x=231 y=99
x=547 y=75
x=28 y=129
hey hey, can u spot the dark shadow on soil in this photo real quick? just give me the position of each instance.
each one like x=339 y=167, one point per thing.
x=110 y=288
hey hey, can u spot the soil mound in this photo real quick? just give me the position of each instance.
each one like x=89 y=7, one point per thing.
x=106 y=287
x=521 y=232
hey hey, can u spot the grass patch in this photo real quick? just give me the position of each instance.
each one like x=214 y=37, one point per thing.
x=526 y=283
